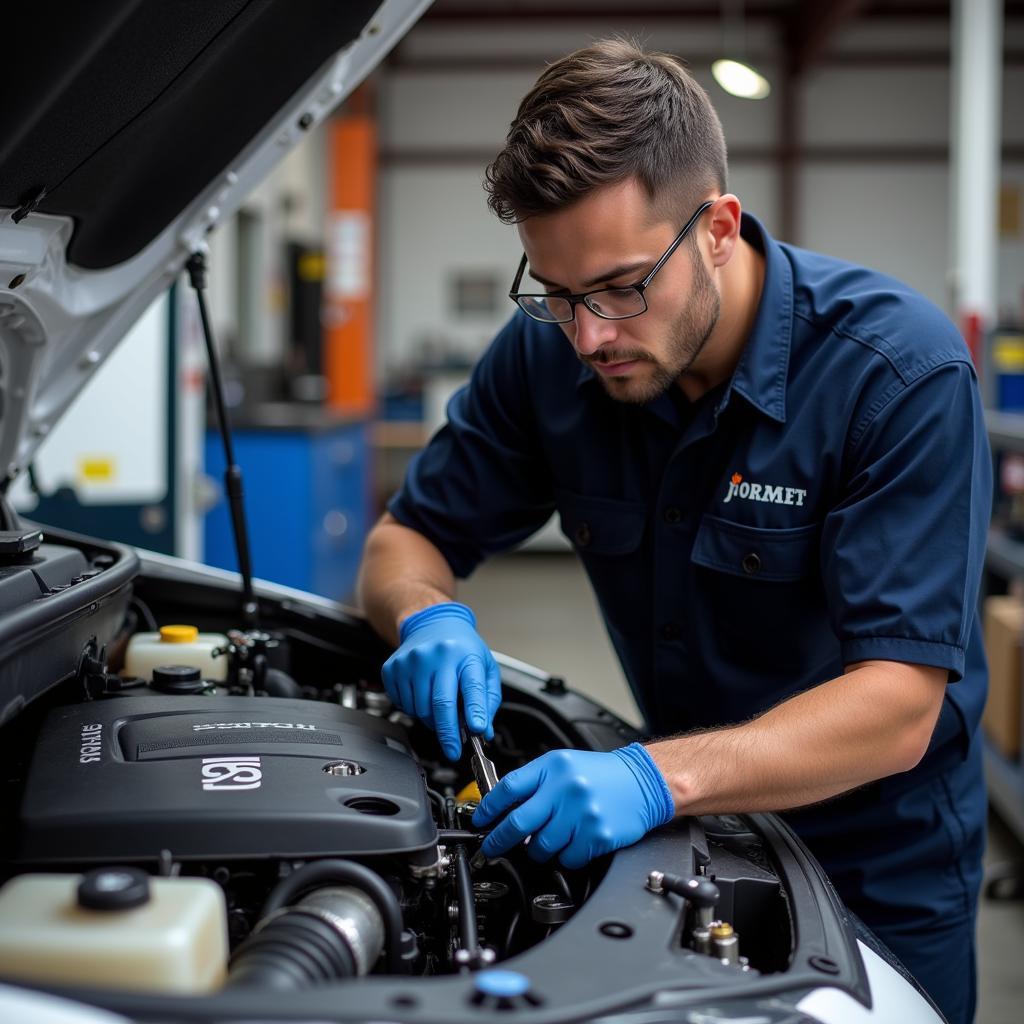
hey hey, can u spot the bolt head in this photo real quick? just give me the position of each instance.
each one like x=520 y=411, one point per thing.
x=654 y=880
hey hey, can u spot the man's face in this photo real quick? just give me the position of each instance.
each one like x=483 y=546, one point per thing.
x=610 y=238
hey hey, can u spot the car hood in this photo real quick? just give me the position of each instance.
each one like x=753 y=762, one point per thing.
x=139 y=125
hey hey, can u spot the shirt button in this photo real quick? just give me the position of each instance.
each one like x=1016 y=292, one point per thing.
x=583 y=534
x=671 y=631
x=672 y=514
x=751 y=563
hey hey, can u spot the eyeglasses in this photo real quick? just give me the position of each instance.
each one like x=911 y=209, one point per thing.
x=607 y=303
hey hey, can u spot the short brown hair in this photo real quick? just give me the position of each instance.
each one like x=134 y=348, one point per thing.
x=599 y=116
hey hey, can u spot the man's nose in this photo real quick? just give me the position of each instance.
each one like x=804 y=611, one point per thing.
x=592 y=331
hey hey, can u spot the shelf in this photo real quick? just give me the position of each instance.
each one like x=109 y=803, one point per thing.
x=1005 y=429
x=402 y=434
x=1005 y=789
x=1004 y=555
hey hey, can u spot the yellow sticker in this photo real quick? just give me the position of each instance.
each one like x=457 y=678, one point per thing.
x=312 y=266
x=1008 y=352
x=97 y=469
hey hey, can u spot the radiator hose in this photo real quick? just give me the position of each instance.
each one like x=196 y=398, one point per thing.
x=334 y=931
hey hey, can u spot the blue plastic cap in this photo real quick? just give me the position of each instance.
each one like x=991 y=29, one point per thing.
x=502 y=984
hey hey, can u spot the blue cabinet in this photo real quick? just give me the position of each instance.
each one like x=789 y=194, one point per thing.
x=307 y=502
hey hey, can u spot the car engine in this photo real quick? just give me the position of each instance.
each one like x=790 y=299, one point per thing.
x=242 y=826
x=222 y=777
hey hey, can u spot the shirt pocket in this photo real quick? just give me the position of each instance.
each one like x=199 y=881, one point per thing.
x=601 y=526
x=761 y=607
x=757 y=553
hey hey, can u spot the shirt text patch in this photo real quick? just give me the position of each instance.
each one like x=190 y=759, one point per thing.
x=776 y=494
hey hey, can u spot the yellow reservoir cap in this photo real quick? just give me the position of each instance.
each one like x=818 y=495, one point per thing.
x=470 y=792
x=178 y=634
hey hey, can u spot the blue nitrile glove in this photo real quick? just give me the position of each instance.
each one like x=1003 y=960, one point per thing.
x=577 y=804
x=441 y=655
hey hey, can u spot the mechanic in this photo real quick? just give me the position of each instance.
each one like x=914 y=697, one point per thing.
x=775 y=470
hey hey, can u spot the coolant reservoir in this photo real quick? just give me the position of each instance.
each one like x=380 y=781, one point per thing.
x=114 y=928
x=176 y=645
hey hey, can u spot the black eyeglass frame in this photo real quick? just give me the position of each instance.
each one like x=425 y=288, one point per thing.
x=640 y=287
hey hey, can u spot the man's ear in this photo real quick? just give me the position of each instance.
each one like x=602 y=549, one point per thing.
x=723 y=228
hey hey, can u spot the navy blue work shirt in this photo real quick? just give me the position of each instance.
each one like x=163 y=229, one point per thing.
x=827 y=505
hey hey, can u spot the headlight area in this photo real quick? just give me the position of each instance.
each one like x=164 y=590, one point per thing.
x=257 y=833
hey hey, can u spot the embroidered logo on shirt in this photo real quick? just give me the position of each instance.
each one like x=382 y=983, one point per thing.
x=776 y=494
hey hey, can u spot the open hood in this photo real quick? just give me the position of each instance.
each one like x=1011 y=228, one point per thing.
x=138 y=126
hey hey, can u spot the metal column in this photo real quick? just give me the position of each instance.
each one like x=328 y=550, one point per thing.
x=977 y=48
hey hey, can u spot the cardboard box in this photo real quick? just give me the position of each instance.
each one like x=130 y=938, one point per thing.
x=1004 y=633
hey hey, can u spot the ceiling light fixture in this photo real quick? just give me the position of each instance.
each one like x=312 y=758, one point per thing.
x=734 y=75
x=739 y=79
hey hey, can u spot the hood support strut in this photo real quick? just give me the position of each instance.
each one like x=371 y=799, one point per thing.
x=196 y=267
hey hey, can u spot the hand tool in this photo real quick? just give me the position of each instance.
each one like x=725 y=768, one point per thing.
x=484 y=772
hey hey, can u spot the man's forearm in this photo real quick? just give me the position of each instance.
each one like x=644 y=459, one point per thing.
x=872 y=722
x=401 y=573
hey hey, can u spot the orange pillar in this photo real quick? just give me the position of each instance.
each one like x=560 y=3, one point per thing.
x=348 y=295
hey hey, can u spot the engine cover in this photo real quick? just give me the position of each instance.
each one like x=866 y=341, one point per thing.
x=220 y=778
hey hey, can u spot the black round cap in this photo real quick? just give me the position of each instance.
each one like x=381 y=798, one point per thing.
x=178 y=679
x=551 y=909
x=113 y=889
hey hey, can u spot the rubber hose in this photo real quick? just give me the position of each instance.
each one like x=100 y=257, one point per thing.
x=466 y=903
x=292 y=952
x=321 y=872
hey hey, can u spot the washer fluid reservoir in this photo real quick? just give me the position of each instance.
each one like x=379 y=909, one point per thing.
x=114 y=928
x=176 y=645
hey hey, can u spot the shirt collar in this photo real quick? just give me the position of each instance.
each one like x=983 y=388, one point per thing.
x=763 y=370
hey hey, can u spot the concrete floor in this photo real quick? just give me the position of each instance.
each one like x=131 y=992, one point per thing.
x=540 y=609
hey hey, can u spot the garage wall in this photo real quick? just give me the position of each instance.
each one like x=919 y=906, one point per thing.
x=248 y=277
x=888 y=208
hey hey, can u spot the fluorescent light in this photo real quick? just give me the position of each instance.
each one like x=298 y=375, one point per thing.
x=740 y=79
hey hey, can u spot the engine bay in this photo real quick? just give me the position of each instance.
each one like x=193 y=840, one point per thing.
x=248 y=826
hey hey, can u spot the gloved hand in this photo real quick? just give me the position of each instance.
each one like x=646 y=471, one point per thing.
x=441 y=655
x=577 y=804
